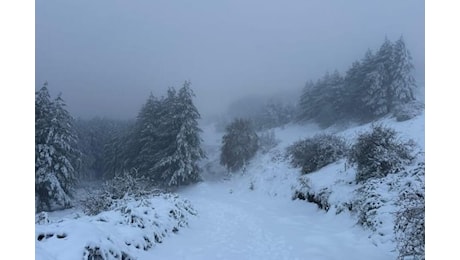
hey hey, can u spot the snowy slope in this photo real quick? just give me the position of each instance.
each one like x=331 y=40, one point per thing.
x=251 y=215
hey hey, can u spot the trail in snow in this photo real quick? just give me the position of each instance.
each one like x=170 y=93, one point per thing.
x=235 y=222
x=248 y=225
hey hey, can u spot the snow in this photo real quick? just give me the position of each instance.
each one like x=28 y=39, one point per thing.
x=251 y=215
x=246 y=224
x=133 y=225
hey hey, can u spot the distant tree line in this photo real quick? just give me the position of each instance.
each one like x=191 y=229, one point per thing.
x=263 y=113
x=375 y=86
x=163 y=145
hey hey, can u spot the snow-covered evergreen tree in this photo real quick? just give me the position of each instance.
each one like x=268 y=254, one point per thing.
x=351 y=95
x=306 y=100
x=181 y=143
x=388 y=81
x=375 y=98
x=403 y=82
x=56 y=155
x=147 y=136
x=273 y=114
x=375 y=86
x=323 y=100
x=239 y=144
x=93 y=135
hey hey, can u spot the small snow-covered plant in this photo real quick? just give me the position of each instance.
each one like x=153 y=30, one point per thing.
x=93 y=252
x=251 y=185
x=303 y=191
x=42 y=218
x=117 y=188
x=128 y=184
x=314 y=153
x=409 y=226
x=96 y=203
x=379 y=153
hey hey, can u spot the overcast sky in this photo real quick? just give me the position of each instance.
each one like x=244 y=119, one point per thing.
x=106 y=56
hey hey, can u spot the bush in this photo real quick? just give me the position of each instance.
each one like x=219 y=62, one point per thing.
x=314 y=153
x=368 y=204
x=115 y=189
x=379 y=153
x=304 y=192
x=409 y=226
x=239 y=144
x=127 y=184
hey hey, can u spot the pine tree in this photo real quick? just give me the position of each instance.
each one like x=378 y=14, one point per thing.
x=376 y=98
x=403 y=84
x=93 y=136
x=306 y=102
x=56 y=155
x=239 y=144
x=352 y=105
x=181 y=146
x=322 y=101
x=147 y=136
x=120 y=150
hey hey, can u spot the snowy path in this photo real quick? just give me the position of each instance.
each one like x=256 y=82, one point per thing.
x=249 y=225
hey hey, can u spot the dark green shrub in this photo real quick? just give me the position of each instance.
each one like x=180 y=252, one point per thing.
x=314 y=153
x=379 y=153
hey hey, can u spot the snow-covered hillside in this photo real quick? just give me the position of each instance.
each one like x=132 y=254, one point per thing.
x=251 y=214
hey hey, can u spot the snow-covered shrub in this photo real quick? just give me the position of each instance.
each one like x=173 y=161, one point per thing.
x=117 y=188
x=42 y=218
x=314 y=153
x=267 y=141
x=132 y=224
x=408 y=111
x=377 y=199
x=303 y=191
x=96 y=203
x=94 y=252
x=368 y=202
x=127 y=184
x=379 y=153
x=409 y=226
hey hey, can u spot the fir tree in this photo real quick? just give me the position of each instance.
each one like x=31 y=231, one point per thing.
x=403 y=84
x=352 y=91
x=239 y=144
x=181 y=149
x=120 y=151
x=148 y=136
x=306 y=102
x=56 y=155
x=376 y=98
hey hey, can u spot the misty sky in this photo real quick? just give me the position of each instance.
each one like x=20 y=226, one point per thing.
x=106 y=56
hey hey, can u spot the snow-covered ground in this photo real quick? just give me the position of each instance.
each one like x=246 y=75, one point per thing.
x=235 y=222
x=251 y=214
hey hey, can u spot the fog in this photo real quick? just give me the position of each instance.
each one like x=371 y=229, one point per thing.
x=106 y=56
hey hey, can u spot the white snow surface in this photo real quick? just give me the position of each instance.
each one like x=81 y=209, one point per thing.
x=246 y=224
x=251 y=215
